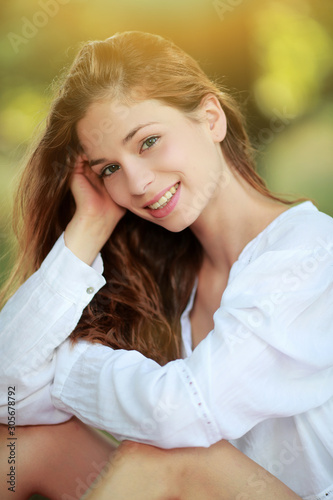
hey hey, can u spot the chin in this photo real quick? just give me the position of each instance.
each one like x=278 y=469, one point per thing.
x=176 y=225
x=175 y=222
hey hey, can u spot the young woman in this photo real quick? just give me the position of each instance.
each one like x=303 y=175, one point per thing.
x=201 y=262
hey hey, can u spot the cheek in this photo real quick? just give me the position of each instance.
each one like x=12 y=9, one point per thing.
x=173 y=156
x=116 y=191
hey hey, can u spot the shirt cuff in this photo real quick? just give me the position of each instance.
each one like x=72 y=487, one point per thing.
x=68 y=276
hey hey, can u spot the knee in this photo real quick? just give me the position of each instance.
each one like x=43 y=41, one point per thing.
x=51 y=459
x=14 y=459
x=33 y=451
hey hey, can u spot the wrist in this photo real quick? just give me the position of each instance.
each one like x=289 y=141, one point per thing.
x=85 y=238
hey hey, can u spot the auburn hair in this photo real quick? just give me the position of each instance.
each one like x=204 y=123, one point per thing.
x=149 y=271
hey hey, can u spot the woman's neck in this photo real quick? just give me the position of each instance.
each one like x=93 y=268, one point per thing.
x=234 y=216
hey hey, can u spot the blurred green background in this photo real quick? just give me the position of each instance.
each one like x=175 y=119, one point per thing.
x=275 y=57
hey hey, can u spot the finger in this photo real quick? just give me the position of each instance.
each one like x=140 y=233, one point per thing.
x=82 y=167
x=80 y=163
x=81 y=173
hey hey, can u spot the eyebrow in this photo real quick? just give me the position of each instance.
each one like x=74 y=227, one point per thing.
x=92 y=163
x=129 y=136
x=132 y=133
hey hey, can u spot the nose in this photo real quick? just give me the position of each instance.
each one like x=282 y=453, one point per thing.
x=138 y=177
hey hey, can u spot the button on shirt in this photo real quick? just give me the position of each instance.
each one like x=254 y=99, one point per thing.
x=263 y=378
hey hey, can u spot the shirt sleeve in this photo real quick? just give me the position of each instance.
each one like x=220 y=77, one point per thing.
x=270 y=355
x=33 y=323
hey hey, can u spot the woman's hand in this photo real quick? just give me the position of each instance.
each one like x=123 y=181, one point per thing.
x=96 y=213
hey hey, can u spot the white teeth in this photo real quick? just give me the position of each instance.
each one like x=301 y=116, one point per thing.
x=165 y=198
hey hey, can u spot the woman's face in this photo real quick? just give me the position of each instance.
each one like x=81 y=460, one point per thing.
x=154 y=160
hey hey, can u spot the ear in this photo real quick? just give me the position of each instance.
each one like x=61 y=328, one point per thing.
x=215 y=117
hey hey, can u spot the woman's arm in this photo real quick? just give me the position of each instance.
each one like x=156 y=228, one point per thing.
x=47 y=307
x=95 y=217
x=220 y=472
x=33 y=323
x=165 y=406
x=265 y=358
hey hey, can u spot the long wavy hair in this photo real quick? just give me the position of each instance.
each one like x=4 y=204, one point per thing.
x=150 y=272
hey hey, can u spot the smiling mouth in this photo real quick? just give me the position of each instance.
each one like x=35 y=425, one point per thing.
x=164 y=200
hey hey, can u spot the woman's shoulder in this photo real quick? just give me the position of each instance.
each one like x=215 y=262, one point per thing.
x=302 y=227
x=300 y=236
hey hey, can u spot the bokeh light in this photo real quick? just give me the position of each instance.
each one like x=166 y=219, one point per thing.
x=295 y=55
x=275 y=56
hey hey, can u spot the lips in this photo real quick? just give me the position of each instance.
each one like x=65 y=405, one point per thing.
x=162 y=201
x=164 y=208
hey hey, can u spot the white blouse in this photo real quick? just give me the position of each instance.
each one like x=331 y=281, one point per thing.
x=262 y=378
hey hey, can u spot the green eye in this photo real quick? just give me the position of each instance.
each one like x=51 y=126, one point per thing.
x=148 y=143
x=109 y=170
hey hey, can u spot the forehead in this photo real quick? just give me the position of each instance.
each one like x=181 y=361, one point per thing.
x=108 y=120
